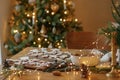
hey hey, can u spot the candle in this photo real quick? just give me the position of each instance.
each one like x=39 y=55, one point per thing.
x=113 y=48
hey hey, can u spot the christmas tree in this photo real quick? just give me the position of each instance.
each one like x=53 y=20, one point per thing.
x=41 y=23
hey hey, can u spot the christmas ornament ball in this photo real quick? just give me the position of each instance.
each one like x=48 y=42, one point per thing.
x=54 y=7
x=17 y=37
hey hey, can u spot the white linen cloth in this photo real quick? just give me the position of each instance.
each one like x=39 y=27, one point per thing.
x=107 y=57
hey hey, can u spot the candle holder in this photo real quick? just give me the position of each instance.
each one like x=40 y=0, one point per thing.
x=113 y=72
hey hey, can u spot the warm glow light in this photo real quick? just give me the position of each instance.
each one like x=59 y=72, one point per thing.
x=30 y=32
x=39 y=39
x=24 y=32
x=65 y=1
x=15 y=31
x=39 y=46
x=80 y=50
x=34 y=42
x=61 y=40
x=1 y=72
x=102 y=47
x=36 y=20
x=64 y=20
x=58 y=43
x=33 y=13
x=33 y=17
x=66 y=12
x=60 y=19
x=76 y=20
x=59 y=47
x=47 y=11
x=106 y=33
x=52 y=13
x=45 y=39
x=93 y=42
x=28 y=15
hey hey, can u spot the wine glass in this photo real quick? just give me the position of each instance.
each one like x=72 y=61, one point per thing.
x=85 y=58
x=88 y=61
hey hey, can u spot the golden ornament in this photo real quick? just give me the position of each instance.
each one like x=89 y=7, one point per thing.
x=54 y=7
x=43 y=29
x=113 y=72
x=17 y=37
x=54 y=30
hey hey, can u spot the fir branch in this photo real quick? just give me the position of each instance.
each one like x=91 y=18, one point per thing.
x=115 y=8
x=116 y=18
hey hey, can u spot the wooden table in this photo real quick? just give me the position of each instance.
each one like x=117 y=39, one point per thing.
x=65 y=76
x=38 y=75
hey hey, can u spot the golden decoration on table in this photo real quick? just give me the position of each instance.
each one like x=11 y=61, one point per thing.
x=113 y=72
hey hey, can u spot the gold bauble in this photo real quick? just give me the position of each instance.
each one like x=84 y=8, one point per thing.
x=54 y=7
